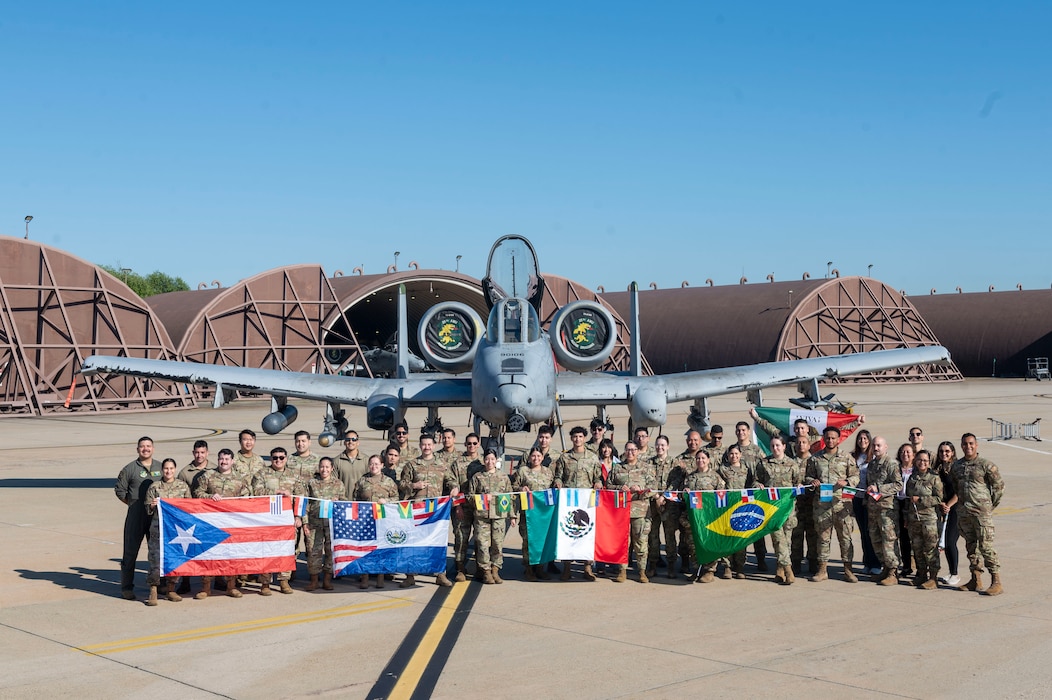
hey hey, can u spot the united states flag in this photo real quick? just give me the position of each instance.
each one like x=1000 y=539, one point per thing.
x=353 y=535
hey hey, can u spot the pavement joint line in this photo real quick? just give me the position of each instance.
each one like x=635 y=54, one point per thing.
x=242 y=627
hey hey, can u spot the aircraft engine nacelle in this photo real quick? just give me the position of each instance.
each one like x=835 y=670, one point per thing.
x=383 y=411
x=274 y=423
x=583 y=335
x=449 y=335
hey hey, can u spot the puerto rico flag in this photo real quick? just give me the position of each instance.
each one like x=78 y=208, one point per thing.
x=368 y=540
x=202 y=537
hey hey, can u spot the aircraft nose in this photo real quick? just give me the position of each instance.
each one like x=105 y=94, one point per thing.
x=513 y=397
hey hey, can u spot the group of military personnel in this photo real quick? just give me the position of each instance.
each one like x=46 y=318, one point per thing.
x=652 y=476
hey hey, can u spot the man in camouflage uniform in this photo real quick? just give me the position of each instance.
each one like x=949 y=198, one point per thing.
x=738 y=474
x=544 y=441
x=883 y=483
x=304 y=464
x=217 y=485
x=638 y=479
x=751 y=456
x=198 y=465
x=715 y=448
x=448 y=454
x=489 y=521
x=456 y=482
x=804 y=532
x=703 y=478
x=683 y=465
x=533 y=476
x=326 y=486
x=247 y=462
x=278 y=479
x=642 y=440
x=350 y=465
x=423 y=477
x=780 y=471
x=400 y=438
x=578 y=468
x=598 y=430
x=376 y=487
x=132 y=482
x=167 y=487
x=831 y=466
x=664 y=513
x=979 y=489
x=923 y=498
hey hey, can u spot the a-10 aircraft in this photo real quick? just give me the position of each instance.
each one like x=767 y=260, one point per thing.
x=508 y=371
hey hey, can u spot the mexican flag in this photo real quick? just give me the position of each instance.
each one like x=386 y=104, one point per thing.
x=783 y=419
x=724 y=522
x=579 y=524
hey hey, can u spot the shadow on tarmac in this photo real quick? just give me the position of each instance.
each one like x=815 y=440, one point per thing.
x=56 y=483
x=102 y=581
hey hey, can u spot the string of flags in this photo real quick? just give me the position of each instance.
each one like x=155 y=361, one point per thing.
x=505 y=503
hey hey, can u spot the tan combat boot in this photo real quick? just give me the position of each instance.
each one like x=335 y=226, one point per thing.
x=891 y=578
x=313 y=585
x=285 y=587
x=643 y=578
x=152 y=600
x=588 y=575
x=173 y=584
x=622 y=574
x=206 y=588
x=487 y=575
x=707 y=577
x=363 y=582
x=442 y=580
x=409 y=582
x=821 y=574
x=779 y=574
x=231 y=587
x=790 y=577
x=995 y=585
x=849 y=575
x=326 y=580
x=264 y=588
x=931 y=584
x=975 y=584
x=460 y=577
x=495 y=572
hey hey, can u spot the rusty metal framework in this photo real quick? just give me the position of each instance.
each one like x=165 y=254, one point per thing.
x=281 y=319
x=56 y=310
x=559 y=291
x=859 y=314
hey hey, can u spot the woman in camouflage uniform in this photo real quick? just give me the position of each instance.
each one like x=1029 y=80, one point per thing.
x=327 y=487
x=489 y=523
x=375 y=487
x=167 y=487
x=533 y=476
x=923 y=498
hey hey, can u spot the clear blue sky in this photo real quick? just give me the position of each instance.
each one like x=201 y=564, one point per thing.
x=654 y=142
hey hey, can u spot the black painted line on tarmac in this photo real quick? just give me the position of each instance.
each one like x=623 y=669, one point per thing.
x=392 y=673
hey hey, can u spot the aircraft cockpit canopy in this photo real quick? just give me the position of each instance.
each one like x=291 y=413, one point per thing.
x=513 y=321
x=512 y=271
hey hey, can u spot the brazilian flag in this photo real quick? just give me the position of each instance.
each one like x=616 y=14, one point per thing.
x=724 y=524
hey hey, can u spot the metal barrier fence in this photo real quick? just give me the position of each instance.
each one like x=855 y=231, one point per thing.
x=1001 y=430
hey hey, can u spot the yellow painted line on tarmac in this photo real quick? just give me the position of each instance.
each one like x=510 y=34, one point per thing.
x=242 y=627
x=414 y=670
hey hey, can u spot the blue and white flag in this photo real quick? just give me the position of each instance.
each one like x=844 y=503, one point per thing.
x=366 y=540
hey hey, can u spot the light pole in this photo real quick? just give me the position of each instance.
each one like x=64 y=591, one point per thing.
x=828 y=265
x=869 y=270
x=458 y=262
x=125 y=271
x=397 y=253
x=28 y=219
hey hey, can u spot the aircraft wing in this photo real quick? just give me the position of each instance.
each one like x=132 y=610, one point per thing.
x=590 y=389
x=432 y=390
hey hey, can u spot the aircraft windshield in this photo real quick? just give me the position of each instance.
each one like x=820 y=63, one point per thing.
x=512 y=270
x=513 y=321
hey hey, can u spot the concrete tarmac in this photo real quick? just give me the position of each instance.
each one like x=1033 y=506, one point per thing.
x=65 y=630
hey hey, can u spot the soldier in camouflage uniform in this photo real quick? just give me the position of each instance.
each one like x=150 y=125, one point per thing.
x=781 y=471
x=533 y=476
x=401 y=441
x=217 y=485
x=133 y=480
x=449 y=453
x=198 y=466
x=831 y=466
x=703 y=478
x=804 y=532
x=489 y=521
x=683 y=465
x=326 y=486
x=738 y=474
x=578 y=468
x=456 y=482
x=751 y=457
x=375 y=487
x=246 y=462
x=424 y=477
x=883 y=483
x=642 y=440
x=979 y=489
x=304 y=464
x=923 y=498
x=664 y=514
x=350 y=465
x=638 y=479
x=167 y=487
x=715 y=448
x=278 y=479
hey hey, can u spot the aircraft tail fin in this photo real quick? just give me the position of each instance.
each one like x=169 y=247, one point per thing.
x=403 y=335
x=635 y=356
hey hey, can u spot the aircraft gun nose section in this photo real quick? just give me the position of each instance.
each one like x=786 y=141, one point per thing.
x=516 y=401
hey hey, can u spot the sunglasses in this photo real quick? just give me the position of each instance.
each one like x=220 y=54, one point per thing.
x=350 y=439
x=401 y=432
x=916 y=434
x=472 y=442
x=277 y=459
